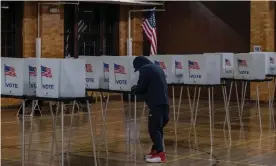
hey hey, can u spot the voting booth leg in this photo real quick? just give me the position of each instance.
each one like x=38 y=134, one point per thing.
x=23 y=134
x=271 y=110
x=135 y=128
x=124 y=118
x=54 y=140
x=228 y=102
x=196 y=109
x=91 y=133
x=226 y=106
x=178 y=111
x=174 y=119
x=70 y=130
x=192 y=107
x=259 y=108
x=244 y=88
x=210 y=99
x=35 y=106
x=104 y=105
x=237 y=97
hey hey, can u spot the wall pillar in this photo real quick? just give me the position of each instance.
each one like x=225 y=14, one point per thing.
x=262 y=31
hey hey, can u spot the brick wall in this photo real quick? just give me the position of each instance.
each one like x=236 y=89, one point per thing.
x=262 y=31
x=136 y=31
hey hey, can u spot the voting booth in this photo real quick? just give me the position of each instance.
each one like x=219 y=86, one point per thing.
x=60 y=77
x=165 y=63
x=250 y=66
x=12 y=76
x=29 y=76
x=122 y=76
x=270 y=61
x=105 y=67
x=202 y=69
x=177 y=70
x=226 y=63
x=94 y=71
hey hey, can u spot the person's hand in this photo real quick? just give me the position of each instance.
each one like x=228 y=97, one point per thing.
x=133 y=89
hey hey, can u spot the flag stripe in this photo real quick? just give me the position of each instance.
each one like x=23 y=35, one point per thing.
x=149 y=27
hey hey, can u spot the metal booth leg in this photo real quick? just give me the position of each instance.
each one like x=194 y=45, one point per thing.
x=228 y=103
x=196 y=110
x=210 y=115
x=226 y=106
x=244 y=88
x=192 y=105
x=272 y=103
x=178 y=110
x=259 y=108
x=54 y=140
x=62 y=133
x=128 y=121
x=104 y=105
x=135 y=127
x=91 y=133
x=70 y=130
x=124 y=118
x=174 y=115
x=197 y=104
x=23 y=134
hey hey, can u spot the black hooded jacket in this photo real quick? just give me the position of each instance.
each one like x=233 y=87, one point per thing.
x=152 y=82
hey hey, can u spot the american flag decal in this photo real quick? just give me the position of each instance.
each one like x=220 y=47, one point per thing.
x=32 y=71
x=106 y=67
x=227 y=62
x=178 y=65
x=271 y=60
x=9 y=71
x=160 y=64
x=88 y=68
x=242 y=62
x=46 y=72
x=119 y=69
x=193 y=65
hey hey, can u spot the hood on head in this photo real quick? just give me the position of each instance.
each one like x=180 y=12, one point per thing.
x=139 y=62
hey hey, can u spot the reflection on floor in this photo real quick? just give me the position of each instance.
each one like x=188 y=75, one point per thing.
x=249 y=146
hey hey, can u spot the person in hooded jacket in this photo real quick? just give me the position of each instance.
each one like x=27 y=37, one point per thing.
x=152 y=84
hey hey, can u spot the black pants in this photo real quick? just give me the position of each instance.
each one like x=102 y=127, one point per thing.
x=158 y=119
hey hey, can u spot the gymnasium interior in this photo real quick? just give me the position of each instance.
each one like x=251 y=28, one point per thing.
x=216 y=118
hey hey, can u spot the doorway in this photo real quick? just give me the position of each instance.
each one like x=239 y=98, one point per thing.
x=97 y=28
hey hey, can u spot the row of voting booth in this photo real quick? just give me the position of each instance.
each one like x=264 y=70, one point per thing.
x=45 y=77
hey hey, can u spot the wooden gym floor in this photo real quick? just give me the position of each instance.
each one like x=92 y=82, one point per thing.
x=249 y=146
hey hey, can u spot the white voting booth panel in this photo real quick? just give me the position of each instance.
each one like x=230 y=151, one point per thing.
x=60 y=77
x=227 y=64
x=165 y=62
x=249 y=66
x=94 y=71
x=12 y=76
x=122 y=76
x=270 y=61
x=202 y=69
x=177 y=70
x=29 y=79
x=104 y=79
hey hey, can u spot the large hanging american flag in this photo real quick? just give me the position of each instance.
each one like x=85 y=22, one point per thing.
x=149 y=27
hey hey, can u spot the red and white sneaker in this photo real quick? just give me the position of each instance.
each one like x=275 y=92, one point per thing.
x=157 y=158
x=153 y=152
